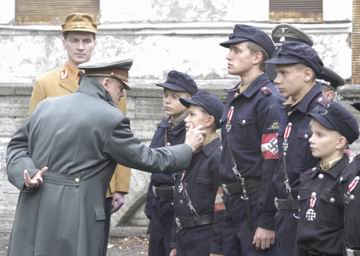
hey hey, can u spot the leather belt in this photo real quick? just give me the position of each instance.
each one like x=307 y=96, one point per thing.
x=351 y=252
x=194 y=221
x=252 y=185
x=164 y=192
x=286 y=204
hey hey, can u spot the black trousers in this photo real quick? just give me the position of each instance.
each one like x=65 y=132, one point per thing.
x=237 y=235
x=285 y=232
x=160 y=228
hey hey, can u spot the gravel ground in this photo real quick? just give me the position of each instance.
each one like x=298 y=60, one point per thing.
x=125 y=246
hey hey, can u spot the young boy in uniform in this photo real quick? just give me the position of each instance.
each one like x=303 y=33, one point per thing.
x=351 y=199
x=249 y=130
x=297 y=66
x=171 y=131
x=320 y=228
x=196 y=187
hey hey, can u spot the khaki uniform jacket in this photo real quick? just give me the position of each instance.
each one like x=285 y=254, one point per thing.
x=64 y=81
x=80 y=137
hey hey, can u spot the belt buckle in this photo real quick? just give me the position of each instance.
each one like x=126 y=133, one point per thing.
x=178 y=223
x=350 y=252
x=154 y=190
x=226 y=191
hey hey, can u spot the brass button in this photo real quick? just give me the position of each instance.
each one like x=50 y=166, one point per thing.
x=77 y=180
x=321 y=176
x=332 y=200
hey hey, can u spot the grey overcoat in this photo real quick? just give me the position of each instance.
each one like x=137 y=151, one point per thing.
x=80 y=137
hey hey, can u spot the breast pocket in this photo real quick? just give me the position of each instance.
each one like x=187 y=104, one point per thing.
x=247 y=132
x=302 y=146
x=303 y=201
x=205 y=192
x=330 y=209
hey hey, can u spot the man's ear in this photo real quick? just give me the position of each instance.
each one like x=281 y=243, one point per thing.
x=106 y=83
x=309 y=75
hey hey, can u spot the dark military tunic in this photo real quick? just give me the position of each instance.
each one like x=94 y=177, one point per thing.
x=298 y=160
x=253 y=139
x=351 y=193
x=196 y=187
x=320 y=228
x=159 y=210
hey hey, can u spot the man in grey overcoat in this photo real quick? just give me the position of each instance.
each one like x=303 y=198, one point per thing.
x=62 y=160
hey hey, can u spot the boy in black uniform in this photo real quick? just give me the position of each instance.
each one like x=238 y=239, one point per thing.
x=351 y=198
x=297 y=66
x=196 y=187
x=249 y=132
x=171 y=131
x=320 y=228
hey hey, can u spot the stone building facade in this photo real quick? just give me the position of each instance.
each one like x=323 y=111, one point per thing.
x=160 y=36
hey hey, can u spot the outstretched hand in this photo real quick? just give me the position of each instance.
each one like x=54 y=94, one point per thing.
x=36 y=180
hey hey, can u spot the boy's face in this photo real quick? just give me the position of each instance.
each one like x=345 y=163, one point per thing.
x=290 y=79
x=324 y=143
x=172 y=105
x=240 y=59
x=197 y=116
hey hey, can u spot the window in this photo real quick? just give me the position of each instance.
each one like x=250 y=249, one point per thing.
x=51 y=11
x=296 y=10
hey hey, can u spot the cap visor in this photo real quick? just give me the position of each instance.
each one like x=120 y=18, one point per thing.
x=233 y=41
x=173 y=87
x=187 y=102
x=282 y=61
x=356 y=105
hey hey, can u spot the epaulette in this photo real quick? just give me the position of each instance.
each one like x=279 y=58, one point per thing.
x=266 y=90
x=323 y=101
x=309 y=171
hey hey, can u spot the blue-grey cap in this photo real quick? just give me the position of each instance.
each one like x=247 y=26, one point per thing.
x=243 y=33
x=336 y=117
x=292 y=52
x=178 y=81
x=209 y=102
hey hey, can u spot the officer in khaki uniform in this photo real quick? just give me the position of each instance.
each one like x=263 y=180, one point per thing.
x=79 y=32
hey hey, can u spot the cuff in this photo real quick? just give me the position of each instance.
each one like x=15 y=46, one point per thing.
x=267 y=221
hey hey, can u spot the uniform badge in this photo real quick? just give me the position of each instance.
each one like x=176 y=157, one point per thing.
x=266 y=90
x=269 y=146
x=274 y=126
x=311 y=213
x=64 y=74
x=348 y=197
x=229 y=118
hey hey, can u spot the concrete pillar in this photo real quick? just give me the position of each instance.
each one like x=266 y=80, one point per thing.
x=355 y=41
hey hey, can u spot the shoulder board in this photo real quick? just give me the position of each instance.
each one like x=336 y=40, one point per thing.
x=266 y=90
x=322 y=101
x=309 y=171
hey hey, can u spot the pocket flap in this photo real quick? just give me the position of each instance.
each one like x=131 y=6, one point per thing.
x=99 y=212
